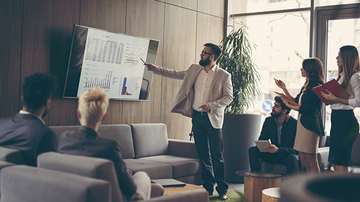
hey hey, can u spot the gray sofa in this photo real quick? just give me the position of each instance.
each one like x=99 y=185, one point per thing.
x=21 y=183
x=146 y=147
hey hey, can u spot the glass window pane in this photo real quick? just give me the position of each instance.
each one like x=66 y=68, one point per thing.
x=282 y=42
x=244 y=6
x=340 y=33
x=336 y=2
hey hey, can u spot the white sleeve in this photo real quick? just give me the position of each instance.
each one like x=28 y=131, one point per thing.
x=355 y=86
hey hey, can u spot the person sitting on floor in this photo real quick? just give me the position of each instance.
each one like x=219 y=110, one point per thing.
x=85 y=141
x=280 y=128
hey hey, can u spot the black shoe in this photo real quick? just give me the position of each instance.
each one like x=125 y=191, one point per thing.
x=223 y=197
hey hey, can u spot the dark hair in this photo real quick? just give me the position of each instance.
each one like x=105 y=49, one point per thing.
x=283 y=106
x=314 y=68
x=215 y=49
x=37 y=88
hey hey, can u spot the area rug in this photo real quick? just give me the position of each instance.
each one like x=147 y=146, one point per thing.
x=234 y=196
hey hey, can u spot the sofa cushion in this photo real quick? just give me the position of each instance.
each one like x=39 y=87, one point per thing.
x=58 y=130
x=182 y=166
x=155 y=170
x=24 y=183
x=122 y=134
x=150 y=139
x=118 y=132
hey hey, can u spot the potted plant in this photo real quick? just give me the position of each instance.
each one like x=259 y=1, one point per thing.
x=239 y=129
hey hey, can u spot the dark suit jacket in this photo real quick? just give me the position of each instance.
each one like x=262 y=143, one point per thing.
x=27 y=133
x=288 y=132
x=86 y=142
x=310 y=110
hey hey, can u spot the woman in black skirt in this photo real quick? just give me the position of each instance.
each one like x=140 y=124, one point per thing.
x=344 y=125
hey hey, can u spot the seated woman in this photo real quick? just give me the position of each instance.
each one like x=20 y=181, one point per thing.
x=85 y=141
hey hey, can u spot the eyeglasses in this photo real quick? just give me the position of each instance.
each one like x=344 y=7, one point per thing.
x=204 y=53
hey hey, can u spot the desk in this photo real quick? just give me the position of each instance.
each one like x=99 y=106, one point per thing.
x=175 y=190
x=255 y=182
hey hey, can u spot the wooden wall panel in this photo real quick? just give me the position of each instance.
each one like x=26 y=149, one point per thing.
x=10 y=54
x=179 y=53
x=108 y=15
x=189 y=4
x=66 y=14
x=37 y=38
x=145 y=19
x=37 y=28
x=209 y=30
x=212 y=7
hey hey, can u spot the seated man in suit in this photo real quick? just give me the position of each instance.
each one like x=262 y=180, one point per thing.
x=26 y=131
x=280 y=128
x=85 y=141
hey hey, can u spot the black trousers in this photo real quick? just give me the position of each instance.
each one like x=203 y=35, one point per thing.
x=291 y=161
x=209 y=148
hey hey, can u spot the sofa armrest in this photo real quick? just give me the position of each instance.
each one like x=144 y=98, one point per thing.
x=182 y=148
x=198 y=195
x=25 y=183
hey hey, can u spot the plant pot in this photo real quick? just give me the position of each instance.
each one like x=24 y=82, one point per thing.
x=239 y=133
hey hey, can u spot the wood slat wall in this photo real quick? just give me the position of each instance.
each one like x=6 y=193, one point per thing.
x=35 y=36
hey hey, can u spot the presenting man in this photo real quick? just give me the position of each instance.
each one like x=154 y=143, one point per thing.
x=280 y=128
x=205 y=92
x=26 y=131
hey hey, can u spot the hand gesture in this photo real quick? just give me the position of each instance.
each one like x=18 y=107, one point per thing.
x=272 y=148
x=328 y=95
x=280 y=83
x=205 y=107
x=150 y=67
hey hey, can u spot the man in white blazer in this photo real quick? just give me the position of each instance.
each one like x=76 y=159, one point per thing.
x=205 y=92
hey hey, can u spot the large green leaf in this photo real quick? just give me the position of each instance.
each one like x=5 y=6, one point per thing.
x=236 y=59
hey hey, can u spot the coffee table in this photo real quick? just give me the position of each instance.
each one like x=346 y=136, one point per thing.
x=255 y=182
x=175 y=190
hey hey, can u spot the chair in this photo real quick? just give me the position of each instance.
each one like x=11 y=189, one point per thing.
x=85 y=166
x=104 y=169
x=21 y=183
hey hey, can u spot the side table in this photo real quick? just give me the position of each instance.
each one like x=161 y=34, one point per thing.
x=255 y=182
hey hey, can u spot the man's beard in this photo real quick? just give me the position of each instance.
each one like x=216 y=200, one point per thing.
x=275 y=115
x=204 y=62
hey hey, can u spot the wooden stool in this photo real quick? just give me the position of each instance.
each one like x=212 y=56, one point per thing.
x=255 y=182
x=271 y=194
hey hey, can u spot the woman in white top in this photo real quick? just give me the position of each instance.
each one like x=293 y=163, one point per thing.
x=344 y=125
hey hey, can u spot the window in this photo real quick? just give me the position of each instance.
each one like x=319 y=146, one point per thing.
x=283 y=32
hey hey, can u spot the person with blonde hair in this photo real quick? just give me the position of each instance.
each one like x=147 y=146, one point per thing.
x=85 y=141
x=344 y=125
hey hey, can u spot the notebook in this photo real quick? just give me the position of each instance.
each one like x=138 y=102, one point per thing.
x=169 y=182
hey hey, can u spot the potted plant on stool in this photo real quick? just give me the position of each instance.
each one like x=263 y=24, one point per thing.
x=239 y=129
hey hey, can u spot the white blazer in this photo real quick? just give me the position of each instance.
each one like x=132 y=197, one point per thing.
x=221 y=92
